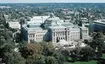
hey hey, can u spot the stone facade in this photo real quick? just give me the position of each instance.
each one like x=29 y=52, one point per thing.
x=54 y=29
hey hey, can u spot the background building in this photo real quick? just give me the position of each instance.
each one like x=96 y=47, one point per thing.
x=99 y=25
x=14 y=25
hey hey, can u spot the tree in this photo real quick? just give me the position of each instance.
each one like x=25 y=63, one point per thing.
x=42 y=60
x=8 y=47
x=65 y=53
x=48 y=48
x=36 y=59
x=60 y=57
x=98 y=43
x=29 y=61
x=86 y=41
x=2 y=41
x=51 y=60
x=30 y=49
x=13 y=58
x=6 y=35
x=22 y=44
x=87 y=53
x=101 y=61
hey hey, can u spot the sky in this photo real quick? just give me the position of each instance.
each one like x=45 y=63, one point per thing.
x=52 y=1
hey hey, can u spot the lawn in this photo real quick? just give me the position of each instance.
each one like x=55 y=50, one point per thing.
x=90 y=62
x=103 y=56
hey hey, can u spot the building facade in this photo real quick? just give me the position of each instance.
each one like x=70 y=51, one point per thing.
x=53 y=29
x=14 y=25
x=99 y=25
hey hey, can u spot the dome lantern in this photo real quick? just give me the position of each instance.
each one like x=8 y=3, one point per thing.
x=51 y=15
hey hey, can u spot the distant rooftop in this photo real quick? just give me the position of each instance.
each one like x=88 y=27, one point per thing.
x=100 y=21
x=37 y=19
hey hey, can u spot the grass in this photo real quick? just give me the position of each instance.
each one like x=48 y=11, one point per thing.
x=79 y=62
x=103 y=56
x=90 y=62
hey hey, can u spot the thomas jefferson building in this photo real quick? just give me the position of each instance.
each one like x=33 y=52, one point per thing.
x=53 y=29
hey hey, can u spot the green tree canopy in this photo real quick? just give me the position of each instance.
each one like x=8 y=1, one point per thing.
x=13 y=58
x=30 y=49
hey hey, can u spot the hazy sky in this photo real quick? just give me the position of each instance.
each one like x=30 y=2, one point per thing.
x=52 y=1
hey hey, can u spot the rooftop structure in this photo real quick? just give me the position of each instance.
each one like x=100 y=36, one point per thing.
x=14 y=25
x=37 y=19
x=99 y=25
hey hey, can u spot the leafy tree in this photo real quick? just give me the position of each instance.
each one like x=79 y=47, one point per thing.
x=60 y=57
x=36 y=59
x=87 y=53
x=51 y=60
x=6 y=34
x=86 y=41
x=48 y=48
x=66 y=54
x=2 y=41
x=31 y=49
x=8 y=47
x=33 y=59
x=29 y=61
x=42 y=60
x=98 y=43
x=22 y=44
x=101 y=61
x=13 y=58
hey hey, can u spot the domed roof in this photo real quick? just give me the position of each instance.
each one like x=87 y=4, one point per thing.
x=51 y=15
x=52 y=21
x=53 y=18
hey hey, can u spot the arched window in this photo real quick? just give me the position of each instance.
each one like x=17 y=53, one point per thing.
x=57 y=39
